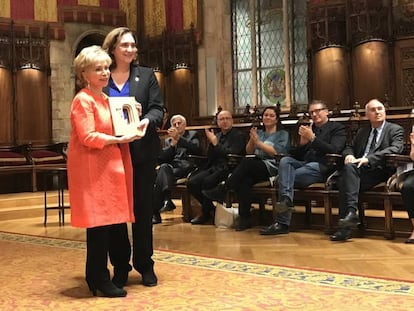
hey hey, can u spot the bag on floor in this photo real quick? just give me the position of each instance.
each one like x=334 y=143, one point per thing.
x=225 y=217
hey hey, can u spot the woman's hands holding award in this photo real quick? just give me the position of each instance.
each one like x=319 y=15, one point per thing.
x=141 y=130
x=142 y=127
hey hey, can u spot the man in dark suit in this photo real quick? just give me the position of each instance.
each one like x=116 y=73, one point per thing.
x=228 y=140
x=174 y=163
x=307 y=163
x=364 y=164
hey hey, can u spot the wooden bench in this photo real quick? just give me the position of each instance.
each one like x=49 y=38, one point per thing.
x=46 y=157
x=382 y=197
x=323 y=194
x=15 y=160
x=27 y=159
x=180 y=190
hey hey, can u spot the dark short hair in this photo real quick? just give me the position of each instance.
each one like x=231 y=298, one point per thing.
x=318 y=102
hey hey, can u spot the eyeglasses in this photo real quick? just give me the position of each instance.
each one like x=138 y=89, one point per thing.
x=316 y=111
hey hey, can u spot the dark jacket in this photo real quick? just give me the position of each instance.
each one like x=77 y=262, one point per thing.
x=232 y=142
x=391 y=141
x=143 y=85
x=177 y=155
x=329 y=138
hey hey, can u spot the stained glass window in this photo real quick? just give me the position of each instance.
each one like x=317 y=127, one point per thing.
x=270 y=51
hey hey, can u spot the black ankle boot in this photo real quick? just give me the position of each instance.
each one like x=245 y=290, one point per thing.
x=107 y=288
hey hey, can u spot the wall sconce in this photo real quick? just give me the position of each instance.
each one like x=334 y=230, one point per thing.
x=30 y=66
x=181 y=66
x=156 y=69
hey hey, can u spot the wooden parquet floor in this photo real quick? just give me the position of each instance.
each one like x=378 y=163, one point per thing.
x=368 y=256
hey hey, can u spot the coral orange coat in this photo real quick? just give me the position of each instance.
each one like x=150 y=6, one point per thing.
x=100 y=177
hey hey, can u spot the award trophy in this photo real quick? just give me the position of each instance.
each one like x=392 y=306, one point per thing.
x=125 y=117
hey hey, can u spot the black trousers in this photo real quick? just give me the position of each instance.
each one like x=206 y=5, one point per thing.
x=142 y=240
x=202 y=180
x=407 y=193
x=249 y=172
x=166 y=177
x=101 y=241
x=353 y=180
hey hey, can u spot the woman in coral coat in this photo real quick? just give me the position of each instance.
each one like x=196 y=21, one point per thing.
x=99 y=173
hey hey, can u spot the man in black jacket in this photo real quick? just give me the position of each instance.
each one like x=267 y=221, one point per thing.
x=364 y=164
x=307 y=163
x=174 y=163
x=227 y=140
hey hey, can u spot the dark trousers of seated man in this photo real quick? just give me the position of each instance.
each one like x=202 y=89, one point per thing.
x=353 y=180
x=203 y=180
x=250 y=171
x=167 y=175
x=407 y=193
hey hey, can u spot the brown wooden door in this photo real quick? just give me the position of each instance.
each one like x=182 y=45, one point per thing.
x=33 y=112
x=180 y=93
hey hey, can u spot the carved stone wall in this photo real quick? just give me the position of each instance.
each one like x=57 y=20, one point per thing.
x=62 y=78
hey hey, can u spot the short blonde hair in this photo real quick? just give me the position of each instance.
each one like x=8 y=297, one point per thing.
x=86 y=58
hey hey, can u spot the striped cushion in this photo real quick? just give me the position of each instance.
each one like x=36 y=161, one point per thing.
x=46 y=157
x=9 y=158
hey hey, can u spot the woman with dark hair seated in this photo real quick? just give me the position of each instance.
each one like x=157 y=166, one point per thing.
x=407 y=192
x=264 y=144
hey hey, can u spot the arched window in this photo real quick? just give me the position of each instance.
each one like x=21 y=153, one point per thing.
x=262 y=55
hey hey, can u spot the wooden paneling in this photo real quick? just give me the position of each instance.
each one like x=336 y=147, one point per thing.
x=370 y=71
x=362 y=31
x=6 y=107
x=404 y=72
x=33 y=116
x=25 y=99
x=174 y=56
x=330 y=72
x=161 y=82
x=180 y=93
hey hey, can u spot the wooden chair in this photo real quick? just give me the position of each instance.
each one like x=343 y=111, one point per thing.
x=15 y=160
x=180 y=189
x=46 y=156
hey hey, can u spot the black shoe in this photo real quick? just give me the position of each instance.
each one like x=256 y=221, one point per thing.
x=149 y=278
x=284 y=205
x=156 y=218
x=217 y=193
x=409 y=241
x=107 y=288
x=167 y=206
x=275 y=229
x=244 y=224
x=341 y=235
x=120 y=277
x=351 y=219
x=200 y=220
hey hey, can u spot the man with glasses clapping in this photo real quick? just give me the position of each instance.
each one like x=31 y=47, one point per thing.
x=307 y=162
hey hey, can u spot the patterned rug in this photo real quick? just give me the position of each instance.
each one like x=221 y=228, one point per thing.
x=43 y=274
